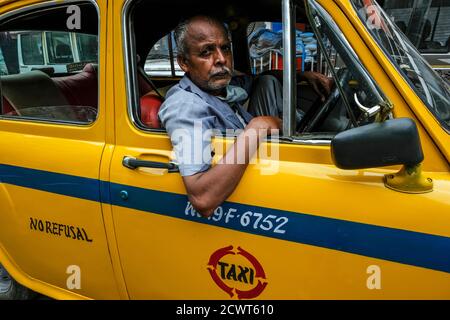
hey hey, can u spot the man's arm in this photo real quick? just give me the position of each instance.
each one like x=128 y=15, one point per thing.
x=207 y=190
x=321 y=84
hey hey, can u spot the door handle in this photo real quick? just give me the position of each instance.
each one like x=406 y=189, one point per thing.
x=133 y=163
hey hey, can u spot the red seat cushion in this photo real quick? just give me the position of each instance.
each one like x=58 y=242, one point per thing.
x=150 y=104
x=8 y=108
x=80 y=89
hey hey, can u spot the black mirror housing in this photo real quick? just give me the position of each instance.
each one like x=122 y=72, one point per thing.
x=392 y=142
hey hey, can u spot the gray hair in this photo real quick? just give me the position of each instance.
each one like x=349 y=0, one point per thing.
x=182 y=28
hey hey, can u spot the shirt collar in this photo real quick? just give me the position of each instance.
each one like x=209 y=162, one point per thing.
x=187 y=84
x=234 y=93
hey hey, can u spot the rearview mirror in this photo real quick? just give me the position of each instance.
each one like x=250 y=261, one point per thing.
x=391 y=142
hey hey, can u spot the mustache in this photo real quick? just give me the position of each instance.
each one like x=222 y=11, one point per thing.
x=223 y=71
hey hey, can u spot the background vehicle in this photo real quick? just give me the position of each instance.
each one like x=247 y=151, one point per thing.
x=355 y=205
x=427 y=25
x=56 y=52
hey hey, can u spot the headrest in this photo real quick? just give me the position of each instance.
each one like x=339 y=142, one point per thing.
x=90 y=68
x=150 y=104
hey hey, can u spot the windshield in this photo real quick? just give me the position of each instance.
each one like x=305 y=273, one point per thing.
x=432 y=89
x=424 y=22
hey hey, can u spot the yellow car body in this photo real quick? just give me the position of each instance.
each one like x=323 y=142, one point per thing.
x=67 y=200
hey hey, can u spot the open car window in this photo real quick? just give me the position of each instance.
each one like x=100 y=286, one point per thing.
x=258 y=49
x=355 y=99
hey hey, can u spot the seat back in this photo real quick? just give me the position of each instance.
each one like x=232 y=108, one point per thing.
x=35 y=94
x=80 y=89
x=31 y=89
x=150 y=104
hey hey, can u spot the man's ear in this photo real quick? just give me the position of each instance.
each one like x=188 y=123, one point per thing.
x=183 y=63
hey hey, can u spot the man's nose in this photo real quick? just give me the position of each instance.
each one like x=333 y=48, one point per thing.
x=220 y=57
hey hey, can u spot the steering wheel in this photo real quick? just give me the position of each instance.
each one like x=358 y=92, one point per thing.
x=320 y=109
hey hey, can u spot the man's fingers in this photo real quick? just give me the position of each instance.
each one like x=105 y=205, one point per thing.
x=326 y=86
x=317 y=90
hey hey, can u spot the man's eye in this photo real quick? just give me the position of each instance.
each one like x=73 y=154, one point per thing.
x=205 y=53
x=226 y=48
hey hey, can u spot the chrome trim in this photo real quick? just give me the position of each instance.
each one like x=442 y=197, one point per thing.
x=49 y=121
x=289 y=67
x=369 y=112
x=126 y=162
x=53 y=4
x=285 y=140
x=311 y=142
x=130 y=70
x=6 y=281
x=445 y=55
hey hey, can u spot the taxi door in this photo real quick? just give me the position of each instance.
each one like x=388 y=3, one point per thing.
x=308 y=230
x=52 y=234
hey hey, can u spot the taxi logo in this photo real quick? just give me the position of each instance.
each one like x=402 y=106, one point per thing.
x=237 y=272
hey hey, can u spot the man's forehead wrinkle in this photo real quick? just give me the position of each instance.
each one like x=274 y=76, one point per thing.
x=201 y=30
x=198 y=35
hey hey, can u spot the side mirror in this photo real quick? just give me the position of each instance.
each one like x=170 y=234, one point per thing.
x=380 y=144
x=392 y=142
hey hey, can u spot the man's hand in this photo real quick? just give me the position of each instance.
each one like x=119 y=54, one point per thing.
x=265 y=124
x=321 y=84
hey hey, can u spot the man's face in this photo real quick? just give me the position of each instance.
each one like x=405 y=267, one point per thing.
x=209 y=62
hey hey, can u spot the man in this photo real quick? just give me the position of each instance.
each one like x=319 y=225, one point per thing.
x=205 y=99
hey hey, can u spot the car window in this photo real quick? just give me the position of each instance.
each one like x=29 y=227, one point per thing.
x=429 y=87
x=265 y=42
x=426 y=23
x=31 y=45
x=59 y=47
x=162 y=58
x=87 y=47
x=49 y=75
x=355 y=99
x=3 y=69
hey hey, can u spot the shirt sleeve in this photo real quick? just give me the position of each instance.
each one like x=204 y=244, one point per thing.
x=190 y=129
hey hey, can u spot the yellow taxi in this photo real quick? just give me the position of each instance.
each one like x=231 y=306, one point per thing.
x=92 y=205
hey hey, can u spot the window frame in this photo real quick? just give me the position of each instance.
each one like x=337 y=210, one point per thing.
x=131 y=74
x=131 y=81
x=32 y=9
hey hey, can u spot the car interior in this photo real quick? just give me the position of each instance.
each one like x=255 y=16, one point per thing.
x=237 y=15
x=73 y=95
x=343 y=108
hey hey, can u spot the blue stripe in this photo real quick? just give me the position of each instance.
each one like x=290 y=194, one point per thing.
x=67 y=185
x=402 y=246
x=407 y=247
